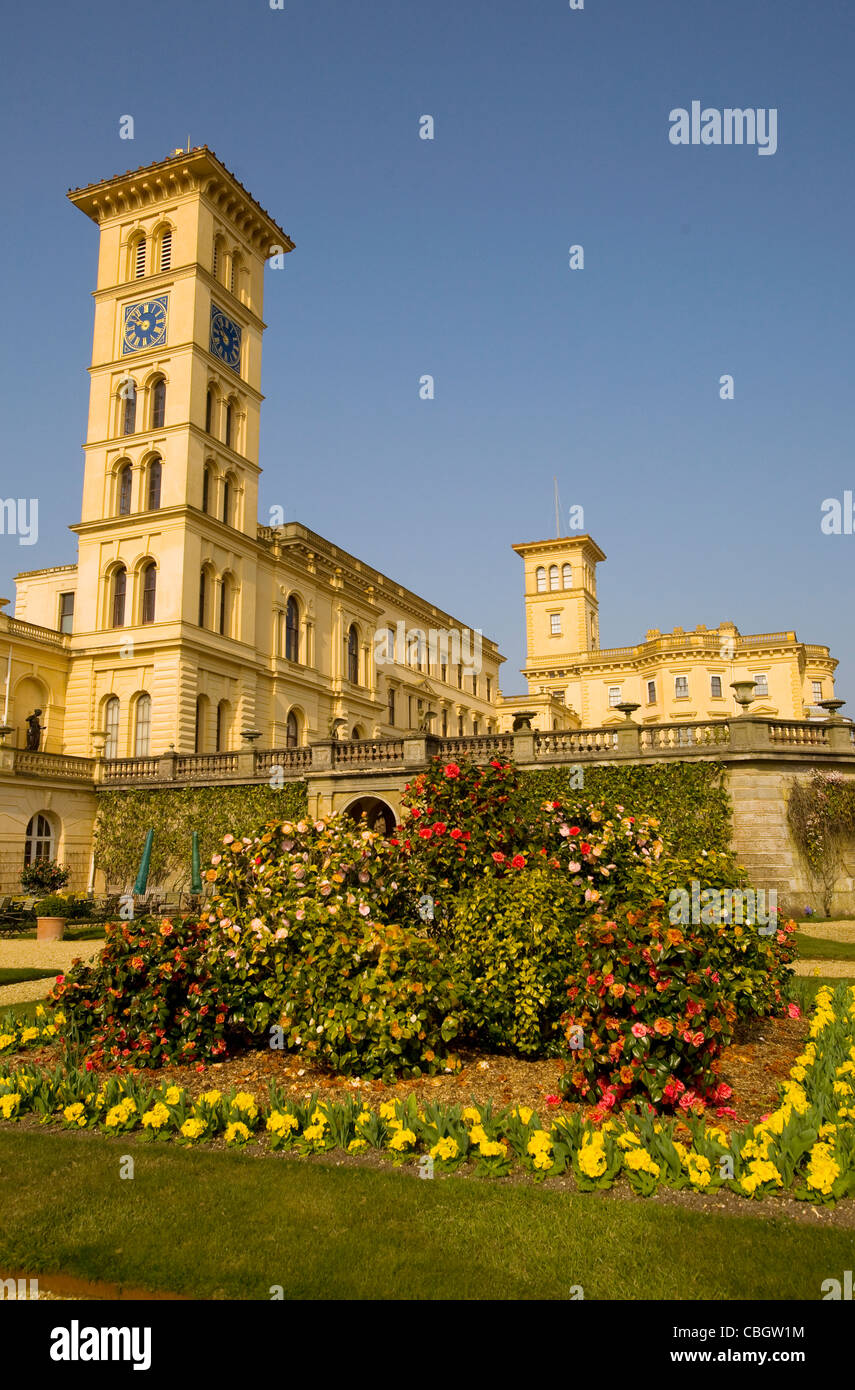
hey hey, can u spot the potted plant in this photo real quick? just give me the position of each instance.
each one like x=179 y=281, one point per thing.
x=51 y=914
x=44 y=876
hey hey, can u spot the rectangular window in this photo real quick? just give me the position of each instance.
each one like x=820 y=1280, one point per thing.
x=555 y=624
x=410 y=711
x=489 y=688
x=761 y=687
x=715 y=687
x=66 y=612
x=391 y=706
x=681 y=687
x=651 y=692
x=475 y=686
x=444 y=670
x=614 y=695
x=460 y=677
x=445 y=723
x=816 y=691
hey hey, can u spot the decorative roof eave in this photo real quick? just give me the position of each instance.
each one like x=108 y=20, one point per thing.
x=197 y=170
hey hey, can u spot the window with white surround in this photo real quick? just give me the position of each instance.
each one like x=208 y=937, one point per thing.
x=553 y=577
x=761 y=687
x=614 y=695
x=681 y=687
x=555 y=624
x=715 y=687
x=40 y=842
x=816 y=691
x=541 y=579
x=651 y=692
x=142 y=725
x=567 y=576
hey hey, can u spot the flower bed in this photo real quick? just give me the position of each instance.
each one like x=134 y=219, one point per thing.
x=805 y=1147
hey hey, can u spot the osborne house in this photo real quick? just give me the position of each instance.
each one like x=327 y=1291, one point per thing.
x=187 y=641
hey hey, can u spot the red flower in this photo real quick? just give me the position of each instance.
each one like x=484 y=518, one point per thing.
x=584 y=846
x=498 y=858
x=552 y=1100
x=451 y=771
x=425 y=833
x=456 y=834
x=518 y=861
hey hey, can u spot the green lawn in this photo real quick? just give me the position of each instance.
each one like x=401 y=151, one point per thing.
x=20 y=975
x=229 y=1225
x=816 y=948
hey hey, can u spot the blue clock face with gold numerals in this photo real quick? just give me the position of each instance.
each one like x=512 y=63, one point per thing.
x=225 y=338
x=145 y=324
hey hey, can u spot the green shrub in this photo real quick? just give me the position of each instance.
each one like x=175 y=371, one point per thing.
x=510 y=946
x=52 y=906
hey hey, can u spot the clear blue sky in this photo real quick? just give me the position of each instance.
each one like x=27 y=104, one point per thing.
x=450 y=258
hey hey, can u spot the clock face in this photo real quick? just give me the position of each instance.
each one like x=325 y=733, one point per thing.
x=145 y=324
x=225 y=338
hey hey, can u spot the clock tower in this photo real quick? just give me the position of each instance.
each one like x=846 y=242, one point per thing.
x=167 y=535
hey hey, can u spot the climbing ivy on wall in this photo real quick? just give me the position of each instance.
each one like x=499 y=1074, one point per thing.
x=690 y=800
x=821 y=816
x=174 y=813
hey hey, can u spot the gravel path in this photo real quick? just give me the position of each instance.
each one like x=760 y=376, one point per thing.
x=825 y=967
x=829 y=931
x=40 y=955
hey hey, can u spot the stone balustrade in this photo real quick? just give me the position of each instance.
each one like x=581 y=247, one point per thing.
x=727 y=739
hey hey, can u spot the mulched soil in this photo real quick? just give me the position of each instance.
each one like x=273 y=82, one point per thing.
x=754 y=1065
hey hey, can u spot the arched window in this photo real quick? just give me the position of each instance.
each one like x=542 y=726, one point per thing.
x=203 y=596
x=218 y=258
x=222 y=725
x=209 y=410
x=356 y=732
x=142 y=726
x=291 y=730
x=567 y=576
x=225 y=606
x=149 y=592
x=39 y=842
x=553 y=576
x=139 y=259
x=111 y=726
x=541 y=579
x=227 y=501
x=207 y=481
x=166 y=249
x=229 y=417
x=158 y=404
x=199 y=735
x=154 y=475
x=233 y=274
x=353 y=655
x=120 y=589
x=125 y=484
x=129 y=406
x=292 y=630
